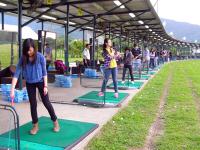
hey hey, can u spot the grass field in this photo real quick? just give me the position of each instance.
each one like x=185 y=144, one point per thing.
x=181 y=113
x=182 y=126
x=5 y=55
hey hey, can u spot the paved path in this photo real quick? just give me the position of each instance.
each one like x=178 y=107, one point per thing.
x=72 y=112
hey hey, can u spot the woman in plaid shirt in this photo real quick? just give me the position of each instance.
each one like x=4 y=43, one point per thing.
x=110 y=65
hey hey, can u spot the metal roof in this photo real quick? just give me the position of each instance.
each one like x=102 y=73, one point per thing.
x=106 y=13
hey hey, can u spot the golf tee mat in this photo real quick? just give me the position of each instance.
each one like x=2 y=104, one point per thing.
x=127 y=85
x=92 y=98
x=71 y=133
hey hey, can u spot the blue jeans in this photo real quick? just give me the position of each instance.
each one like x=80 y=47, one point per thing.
x=107 y=73
x=146 y=62
x=137 y=64
x=151 y=64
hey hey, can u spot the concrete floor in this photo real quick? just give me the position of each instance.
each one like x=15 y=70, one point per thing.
x=71 y=112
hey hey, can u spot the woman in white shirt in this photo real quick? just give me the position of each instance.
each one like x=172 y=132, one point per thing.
x=152 y=58
x=146 y=57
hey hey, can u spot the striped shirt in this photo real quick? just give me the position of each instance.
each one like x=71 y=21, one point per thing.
x=107 y=59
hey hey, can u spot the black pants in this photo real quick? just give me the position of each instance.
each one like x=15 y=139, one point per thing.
x=31 y=89
x=130 y=67
x=48 y=62
x=86 y=63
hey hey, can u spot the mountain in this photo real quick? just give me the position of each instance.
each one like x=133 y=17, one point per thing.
x=182 y=29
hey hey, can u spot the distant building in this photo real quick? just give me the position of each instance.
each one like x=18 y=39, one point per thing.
x=27 y=32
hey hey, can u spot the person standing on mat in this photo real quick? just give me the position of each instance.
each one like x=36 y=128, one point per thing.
x=136 y=51
x=110 y=66
x=48 y=55
x=32 y=64
x=146 y=57
x=86 y=56
x=127 y=65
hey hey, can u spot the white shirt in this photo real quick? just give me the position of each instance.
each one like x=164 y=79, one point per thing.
x=146 y=54
x=152 y=54
x=86 y=54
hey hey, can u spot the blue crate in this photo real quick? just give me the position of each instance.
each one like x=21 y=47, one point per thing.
x=93 y=73
x=90 y=72
x=63 y=81
x=57 y=80
x=66 y=82
x=20 y=95
x=51 y=68
x=74 y=76
x=5 y=87
x=67 y=79
x=87 y=72
x=25 y=95
x=5 y=91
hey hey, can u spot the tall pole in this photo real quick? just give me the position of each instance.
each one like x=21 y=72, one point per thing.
x=128 y=39
x=67 y=39
x=2 y=20
x=20 y=36
x=42 y=25
x=109 y=30
x=12 y=51
x=20 y=50
x=83 y=38
x=120 y=40
x=93 y=42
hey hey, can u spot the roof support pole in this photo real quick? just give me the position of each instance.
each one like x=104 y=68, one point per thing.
x=109 y=30
x=20 y=36
x=128 y=39
x=12 y=50
x=42 y=25
x=93 y=42
x=83 y=39
x=120 y=40
x=67 y=40
x=2 y=20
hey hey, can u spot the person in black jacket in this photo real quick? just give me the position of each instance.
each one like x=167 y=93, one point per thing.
x=137 y=54
x=127 y=64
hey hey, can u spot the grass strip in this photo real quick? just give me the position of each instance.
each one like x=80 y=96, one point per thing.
x=130 y=126
x=181 y=130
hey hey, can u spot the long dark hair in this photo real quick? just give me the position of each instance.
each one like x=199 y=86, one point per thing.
x=105 y=45
x=26 y=45
x=127 y=49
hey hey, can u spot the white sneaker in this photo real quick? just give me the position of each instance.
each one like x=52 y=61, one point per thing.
x=132 y=82
x=123 y=82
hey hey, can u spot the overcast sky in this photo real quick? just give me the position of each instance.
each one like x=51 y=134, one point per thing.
x=179 y=10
